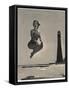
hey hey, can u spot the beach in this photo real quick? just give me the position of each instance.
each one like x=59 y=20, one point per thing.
x=49 y=71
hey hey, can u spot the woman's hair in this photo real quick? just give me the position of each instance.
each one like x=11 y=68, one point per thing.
x=37 y=22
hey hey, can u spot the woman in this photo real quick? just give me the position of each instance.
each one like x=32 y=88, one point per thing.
x=35 y=36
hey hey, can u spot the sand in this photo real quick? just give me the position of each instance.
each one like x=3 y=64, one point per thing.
x=51 y=71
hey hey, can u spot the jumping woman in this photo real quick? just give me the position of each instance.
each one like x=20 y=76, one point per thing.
x=35 y=36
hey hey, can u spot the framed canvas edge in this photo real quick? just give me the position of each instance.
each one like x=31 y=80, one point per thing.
x=16 y=40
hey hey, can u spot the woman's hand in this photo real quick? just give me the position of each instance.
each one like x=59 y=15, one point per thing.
x=40 y=39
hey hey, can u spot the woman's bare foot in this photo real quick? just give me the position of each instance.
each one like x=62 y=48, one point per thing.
x=31 y=55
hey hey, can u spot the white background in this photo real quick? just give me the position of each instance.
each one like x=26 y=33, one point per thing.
x=4 y=44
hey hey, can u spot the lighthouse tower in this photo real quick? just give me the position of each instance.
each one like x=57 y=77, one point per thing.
x=59 y=49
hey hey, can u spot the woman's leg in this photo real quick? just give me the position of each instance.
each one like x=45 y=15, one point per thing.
x=36 y=49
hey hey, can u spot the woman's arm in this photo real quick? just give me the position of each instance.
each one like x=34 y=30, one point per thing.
x=40 y=37
x=31 y=34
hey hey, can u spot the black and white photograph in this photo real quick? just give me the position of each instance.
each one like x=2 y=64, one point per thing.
x=41 y=44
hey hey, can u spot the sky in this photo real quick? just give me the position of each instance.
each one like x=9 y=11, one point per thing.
x=50 y=22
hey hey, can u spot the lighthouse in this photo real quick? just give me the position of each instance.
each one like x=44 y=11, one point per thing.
x=59 y=49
